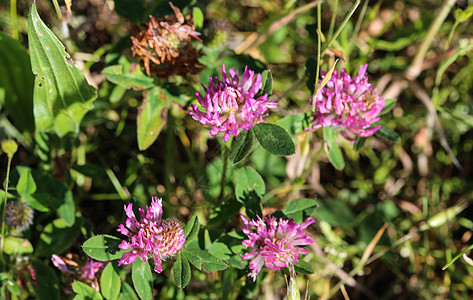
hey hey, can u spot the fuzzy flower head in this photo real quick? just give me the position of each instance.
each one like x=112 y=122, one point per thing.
x=151 y=237
x=350 y=103
x=274 y=244
x=230 y=105
x=18 y=216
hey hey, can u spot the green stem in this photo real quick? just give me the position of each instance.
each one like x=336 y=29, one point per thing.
x=225 y=158
x=10 y=156
x=58 y=10
x=332 y=39
x=339 y=30
x=14 y=19
x=415 y=68
x=334 y=18
x=319 y=32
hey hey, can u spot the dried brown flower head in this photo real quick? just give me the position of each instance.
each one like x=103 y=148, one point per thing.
x=166 y=43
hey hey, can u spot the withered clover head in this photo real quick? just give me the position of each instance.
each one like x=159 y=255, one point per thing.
x=165 y=46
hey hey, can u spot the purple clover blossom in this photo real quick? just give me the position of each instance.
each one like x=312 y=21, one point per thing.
x=230 y=105
x=275 y=244
x=90 y=268
x=69 y=266
x=151 y=237
x=350 y=103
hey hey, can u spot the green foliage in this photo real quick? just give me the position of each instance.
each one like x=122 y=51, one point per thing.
x=203 y=260
x=391 y=205
x=152 y=116
x=62 y=95
x=333 y=150
x=242 y=146
x=198 y=18
x=128 y=75
x=142 y=279
x=274 y=139
x=388 y=134
x=84 y=291
x=47 y=286
x=17 y=82
x=110 y=282
x=300 y=209
x=191 y=230
x=17 y=246
x=182 y=271
x=249 y=188
x=103 y=247
x=57 y=237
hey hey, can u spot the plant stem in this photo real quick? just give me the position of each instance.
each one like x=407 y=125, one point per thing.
x=58 y=10
x=332 y=21
x=14 y=19
x=332 y=39
x=339 y=30
x=319 y=32
x=225 y=158
x=416 y=67
x=10 y=156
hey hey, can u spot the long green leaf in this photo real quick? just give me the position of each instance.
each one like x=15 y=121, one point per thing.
x=242 y=146
x=152 y=117
x=333 y=150
x=110 y=282
x=182 y=271
x=62 y=95
x=142 y=279
x=457 y=257
x=191 y=230
x=388 y=134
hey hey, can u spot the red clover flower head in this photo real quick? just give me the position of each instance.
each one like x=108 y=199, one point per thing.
x=350 y=103
x=90 y=268
x=151 y=237
x=74 y=268
x=230 y=104
x=275 y=244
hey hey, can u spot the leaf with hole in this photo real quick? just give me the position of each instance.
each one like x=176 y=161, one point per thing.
x=61 y=94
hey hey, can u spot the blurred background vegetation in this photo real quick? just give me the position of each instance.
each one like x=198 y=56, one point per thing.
x=421 y=189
